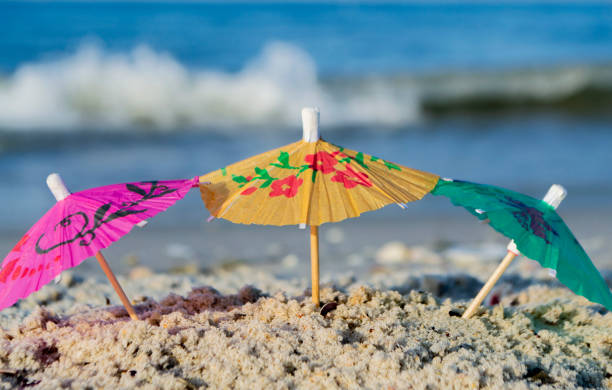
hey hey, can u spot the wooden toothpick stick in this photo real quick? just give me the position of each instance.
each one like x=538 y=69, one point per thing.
x=310 y=127
x=314 y=263
x=111 y=277
x=553 y=197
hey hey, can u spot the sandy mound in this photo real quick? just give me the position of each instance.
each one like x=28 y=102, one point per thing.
x=373 y=339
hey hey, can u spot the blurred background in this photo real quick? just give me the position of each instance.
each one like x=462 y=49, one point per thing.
x=516 y=95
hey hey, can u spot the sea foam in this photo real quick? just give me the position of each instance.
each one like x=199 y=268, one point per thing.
x=93 y=88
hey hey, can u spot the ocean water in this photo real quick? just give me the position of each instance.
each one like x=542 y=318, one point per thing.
x=513 y=95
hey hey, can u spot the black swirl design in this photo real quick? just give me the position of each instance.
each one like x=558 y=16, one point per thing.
x=530 y=218
x=86 y=234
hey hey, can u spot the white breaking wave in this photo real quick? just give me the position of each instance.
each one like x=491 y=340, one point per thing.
x=144 y=88
x=147 y=89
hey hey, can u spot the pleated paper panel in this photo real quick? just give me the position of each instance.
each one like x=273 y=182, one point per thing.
x=309 y=183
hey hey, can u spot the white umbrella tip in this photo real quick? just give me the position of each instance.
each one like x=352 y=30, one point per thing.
x=555 y=195
x=310 y=124
x=57 y=186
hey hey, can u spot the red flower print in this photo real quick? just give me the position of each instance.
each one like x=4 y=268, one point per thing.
x=16 y=273
x=322 y=161
x=351 y=178
x=288 y=186
x=339 y=153
x=248 y=191
x=7 y=270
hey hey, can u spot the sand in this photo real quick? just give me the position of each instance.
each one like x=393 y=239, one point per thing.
x=379 y=336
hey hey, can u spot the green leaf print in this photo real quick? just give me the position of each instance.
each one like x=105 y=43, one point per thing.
x=390 y=165
x=239 y=179
x=359 y=159
x=264 y=175
x=283 y=159
x=302 y=169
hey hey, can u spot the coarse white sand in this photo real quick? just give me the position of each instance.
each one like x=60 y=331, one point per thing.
x=390 y=336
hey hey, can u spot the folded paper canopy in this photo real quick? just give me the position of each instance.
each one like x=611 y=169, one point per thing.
x=309 y=183
x=538 y=231
x=79 y=226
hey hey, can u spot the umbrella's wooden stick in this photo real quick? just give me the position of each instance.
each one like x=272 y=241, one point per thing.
x=60 y=192
x=314 y=263
x=553 y=197
x=484 y=291
x=111 y=276
x=310 y=127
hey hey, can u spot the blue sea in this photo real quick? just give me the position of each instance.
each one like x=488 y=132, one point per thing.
x=517 y=95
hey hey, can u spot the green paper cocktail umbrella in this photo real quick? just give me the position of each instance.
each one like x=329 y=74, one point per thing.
x=537 y=230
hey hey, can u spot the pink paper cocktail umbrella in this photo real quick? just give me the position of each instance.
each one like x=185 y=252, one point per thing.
x=78 y=226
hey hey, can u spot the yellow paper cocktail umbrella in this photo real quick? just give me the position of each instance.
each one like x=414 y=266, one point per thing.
x=309 y=182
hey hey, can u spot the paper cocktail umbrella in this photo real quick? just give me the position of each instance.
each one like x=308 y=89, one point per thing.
x=309 y=182
x=538 y=233
x=78 y=226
